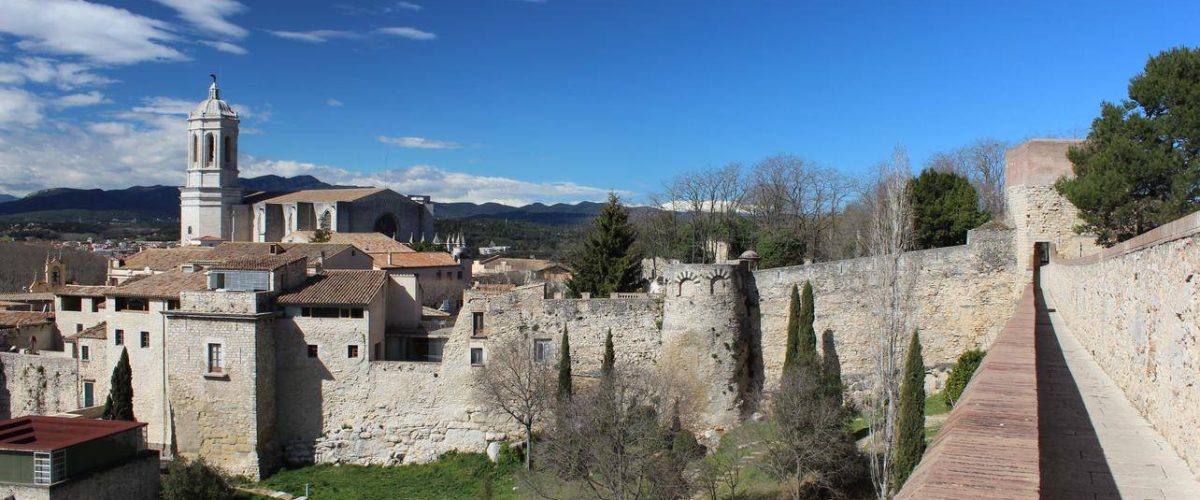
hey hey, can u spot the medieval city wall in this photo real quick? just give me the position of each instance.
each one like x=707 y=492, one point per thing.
x=38 y=384
x=960 y=298
x=1136 y=308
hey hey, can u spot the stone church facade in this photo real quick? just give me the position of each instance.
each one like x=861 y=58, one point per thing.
x=214 y=207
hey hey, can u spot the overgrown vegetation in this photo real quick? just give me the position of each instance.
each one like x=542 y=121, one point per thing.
x=963 y=369
x=194 y=480
x=1140 y=166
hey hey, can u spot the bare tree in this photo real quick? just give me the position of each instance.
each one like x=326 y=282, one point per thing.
x=712 y=200
x=982 y=163
x=889 y=236
x=515 y=382
x=615 y=444
x=788 y=194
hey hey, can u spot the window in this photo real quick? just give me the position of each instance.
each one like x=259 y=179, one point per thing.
x=225 y=151
x=195 y=147
x=96 y=303
x=119 y=335
x=132 y=304
x=460 y=275
x=210 y=150
x=145 y=339
x=331 y=312
x=351 y=351
x=214 y=358
x=541 y=350
x=423 y=349
x=312 y=351
x=72 y=304
x=85 y=354
x=378 y=351
x=78 y=327
x=172 y=305
x=476 y=356
x=477 y=324
x=89 y=394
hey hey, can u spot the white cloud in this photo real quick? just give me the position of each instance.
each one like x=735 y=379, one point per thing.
x=418 y=143
x=97 y=32
x=408 y=6
x=442 y=185
x=407 y=32
x=322 y=36
x=334 y=102
x=19 y=107
x=209 y=15
x=64 y=75
x=314 y=36
x=226 y=47
x=86 y=99
x=165 y=106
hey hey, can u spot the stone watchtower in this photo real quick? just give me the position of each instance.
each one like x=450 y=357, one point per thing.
x=1038 y=213
x=207 y=200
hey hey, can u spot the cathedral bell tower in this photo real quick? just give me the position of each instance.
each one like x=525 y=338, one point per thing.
x=207 y=200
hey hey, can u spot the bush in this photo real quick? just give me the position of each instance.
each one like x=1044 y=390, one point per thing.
x=510 y=456
x=961 y=374
x=194 y=480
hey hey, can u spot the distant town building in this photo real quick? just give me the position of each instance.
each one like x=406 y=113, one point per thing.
x=494 y=249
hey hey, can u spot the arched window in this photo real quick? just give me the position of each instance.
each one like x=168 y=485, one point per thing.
x=210 y=150
x=326 y=222
x=225 y=151
x=189 y=230
x=195 y=147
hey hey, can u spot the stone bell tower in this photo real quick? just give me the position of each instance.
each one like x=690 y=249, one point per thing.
x=207 y=200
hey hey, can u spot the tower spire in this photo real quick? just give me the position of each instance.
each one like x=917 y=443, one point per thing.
x=214 y=92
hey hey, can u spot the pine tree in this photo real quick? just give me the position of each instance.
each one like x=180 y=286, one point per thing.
x=606 y=365
x=910 y=423
x=945 y=206
x=831 y=369
x=564 y=367
x=119 y=405
x=609 y=262
x=791 y=352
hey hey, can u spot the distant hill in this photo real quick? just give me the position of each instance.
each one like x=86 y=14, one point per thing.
x=558 y=213
x=151 y=201
x=7 y=197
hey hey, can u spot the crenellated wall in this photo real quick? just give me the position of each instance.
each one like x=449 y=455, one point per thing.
x=1136 y=308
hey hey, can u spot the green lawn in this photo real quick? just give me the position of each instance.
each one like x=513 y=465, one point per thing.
x=454 y=476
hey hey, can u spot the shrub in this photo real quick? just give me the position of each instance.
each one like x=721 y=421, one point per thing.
x=194 y=480
x=510 y=456
x=961 y=374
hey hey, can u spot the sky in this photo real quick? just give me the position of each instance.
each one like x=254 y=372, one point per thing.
x=518 y=101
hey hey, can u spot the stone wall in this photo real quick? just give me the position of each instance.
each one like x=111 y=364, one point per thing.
x=137 y=479
x=960 y=298
x=37 y=385
x=1136 y=308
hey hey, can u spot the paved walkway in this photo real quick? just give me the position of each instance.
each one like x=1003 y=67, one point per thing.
x=1097 y=445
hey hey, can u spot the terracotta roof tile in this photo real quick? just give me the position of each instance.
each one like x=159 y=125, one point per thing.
x=258 y=263
x=162 y=286
x=165 y=259
x=242 y=250
x=342 y=287
x=97 y=331
x=13 y=319
x=83 y=290
x=370 y=242
x=324 y=195
x=404 y=260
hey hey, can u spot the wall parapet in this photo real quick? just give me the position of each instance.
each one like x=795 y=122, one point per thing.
x=989 y=444
x=1183 y=227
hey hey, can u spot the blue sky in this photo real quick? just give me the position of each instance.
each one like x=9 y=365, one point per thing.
x=560 y=100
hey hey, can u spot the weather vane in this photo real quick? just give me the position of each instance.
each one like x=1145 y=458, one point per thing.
x=214 y=77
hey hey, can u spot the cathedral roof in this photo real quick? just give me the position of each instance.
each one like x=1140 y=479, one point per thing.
x=367 y=242
x=325 y=195
x=337 y=288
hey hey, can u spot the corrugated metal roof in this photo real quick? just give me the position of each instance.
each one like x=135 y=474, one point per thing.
x=41 y=433
x=336 y=287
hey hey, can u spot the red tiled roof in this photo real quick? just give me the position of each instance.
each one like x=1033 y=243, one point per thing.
x=83 y=290
x=402 y=260
x=337 y=288
x=325 y=195
x=161 y=286
x=244 y=250
x=97 y=331
x=165 y=259
x=13 y=319
x=258 y=263
x=42 y=433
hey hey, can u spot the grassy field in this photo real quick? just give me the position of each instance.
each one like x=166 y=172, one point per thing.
x=454 y=476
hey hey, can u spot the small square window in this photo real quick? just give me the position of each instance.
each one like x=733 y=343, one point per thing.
x=85 y=353
x=476 y=356
x=541 y=350
x=351 y=351
x=214 y=358
x=78 y=327
x=145 y=339
x=477 y=324
x=312 y=351
x=119 y=336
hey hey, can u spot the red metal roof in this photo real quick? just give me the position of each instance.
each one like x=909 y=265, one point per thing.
x=42 y=433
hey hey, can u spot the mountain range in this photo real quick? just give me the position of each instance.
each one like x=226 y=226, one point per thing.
x=163 y=202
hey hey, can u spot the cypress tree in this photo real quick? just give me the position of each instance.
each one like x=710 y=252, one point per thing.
x=910 y=423
x=791 y=352
x=609 y=261
x=564 y=367
x=119 y=405
x=606 y=365
x=808 y=336
x=831 y=369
